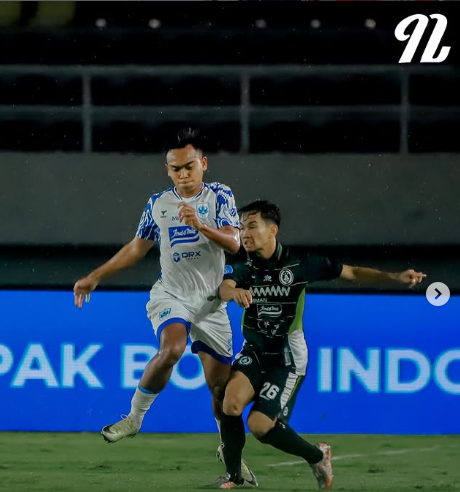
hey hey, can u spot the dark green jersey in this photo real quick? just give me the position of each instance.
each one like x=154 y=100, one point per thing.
x=273 y=324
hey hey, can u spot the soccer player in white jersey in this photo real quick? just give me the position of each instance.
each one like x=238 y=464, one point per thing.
x=193 y=223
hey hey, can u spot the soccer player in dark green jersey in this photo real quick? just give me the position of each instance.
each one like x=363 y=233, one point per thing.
x=269 y=280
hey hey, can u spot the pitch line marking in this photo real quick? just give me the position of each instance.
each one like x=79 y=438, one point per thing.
x=351 y=456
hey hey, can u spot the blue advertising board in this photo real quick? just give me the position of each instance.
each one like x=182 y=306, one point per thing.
x=377 y=364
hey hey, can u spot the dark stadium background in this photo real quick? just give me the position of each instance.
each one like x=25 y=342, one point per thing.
x=308 y=108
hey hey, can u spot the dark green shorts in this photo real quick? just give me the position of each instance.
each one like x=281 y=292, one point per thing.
x=276 y=386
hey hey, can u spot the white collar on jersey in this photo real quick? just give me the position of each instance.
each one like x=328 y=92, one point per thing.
x=183 y=198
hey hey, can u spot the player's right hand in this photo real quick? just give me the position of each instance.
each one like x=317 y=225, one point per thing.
x=82 y=288
x=243 y=298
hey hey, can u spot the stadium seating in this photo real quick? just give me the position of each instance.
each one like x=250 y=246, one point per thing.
x=311 y=107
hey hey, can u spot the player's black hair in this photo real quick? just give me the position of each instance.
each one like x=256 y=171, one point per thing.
x=268 y=211
x=184 y=137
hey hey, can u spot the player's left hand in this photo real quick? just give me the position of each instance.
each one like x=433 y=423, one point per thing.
x=411 y=277
x=187 y=214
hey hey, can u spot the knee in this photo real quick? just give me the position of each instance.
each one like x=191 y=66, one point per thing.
x=260 y=425
x=170 y=353
x=232 y=406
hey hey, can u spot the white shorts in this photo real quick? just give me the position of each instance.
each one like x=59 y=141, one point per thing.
x=210 y=333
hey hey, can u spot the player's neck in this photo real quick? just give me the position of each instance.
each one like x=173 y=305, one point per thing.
x=190 y=194
x=268 y=251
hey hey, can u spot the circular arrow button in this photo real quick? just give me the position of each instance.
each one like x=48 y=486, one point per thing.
x=438 y=294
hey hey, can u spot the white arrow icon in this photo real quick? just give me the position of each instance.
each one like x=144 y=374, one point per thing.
x=438 y=294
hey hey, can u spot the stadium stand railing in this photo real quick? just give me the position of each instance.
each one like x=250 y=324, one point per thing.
x=287 y=108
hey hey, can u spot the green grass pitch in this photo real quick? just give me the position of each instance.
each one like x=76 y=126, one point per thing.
x=83 y=462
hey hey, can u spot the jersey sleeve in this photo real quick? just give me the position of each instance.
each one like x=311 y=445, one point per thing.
x=321 y=267
x=226 y=213
x=236 y=269
x=148 y=228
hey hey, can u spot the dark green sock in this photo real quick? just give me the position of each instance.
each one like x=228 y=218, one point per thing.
x=286 y=439
x=233 y=439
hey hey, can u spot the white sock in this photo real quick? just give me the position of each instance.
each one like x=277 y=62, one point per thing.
x=218 y=426
x=140 y=403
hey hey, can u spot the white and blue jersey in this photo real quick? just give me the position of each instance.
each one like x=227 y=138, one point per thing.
x=192 y=266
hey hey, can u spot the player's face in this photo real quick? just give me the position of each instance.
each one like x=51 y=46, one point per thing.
x=256 y=234
x=186 y=167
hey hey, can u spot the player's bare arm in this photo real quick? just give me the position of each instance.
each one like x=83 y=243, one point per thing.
x=366 y=275
x=227 y=237
x=229 y=292
x=130 y=254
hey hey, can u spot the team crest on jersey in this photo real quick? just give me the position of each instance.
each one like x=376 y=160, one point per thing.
x=164 y=313
x=176 y=257
x=286 y=276
x=245 y=361
x=202 y=209
x=228 y=270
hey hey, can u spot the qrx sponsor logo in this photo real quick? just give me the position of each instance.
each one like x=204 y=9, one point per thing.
x=202 y=210
x=186 y=255
x=164 y=313
x=270 y=310
x=417 y=34
x=191 y=255
x=272 y=290
x=183 y=234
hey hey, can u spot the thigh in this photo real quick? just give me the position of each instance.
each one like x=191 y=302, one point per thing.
x=247 y=363
x=212 y=335
x=278 y=389
x=217 y=373
x=174 y=337
x=238 y=394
